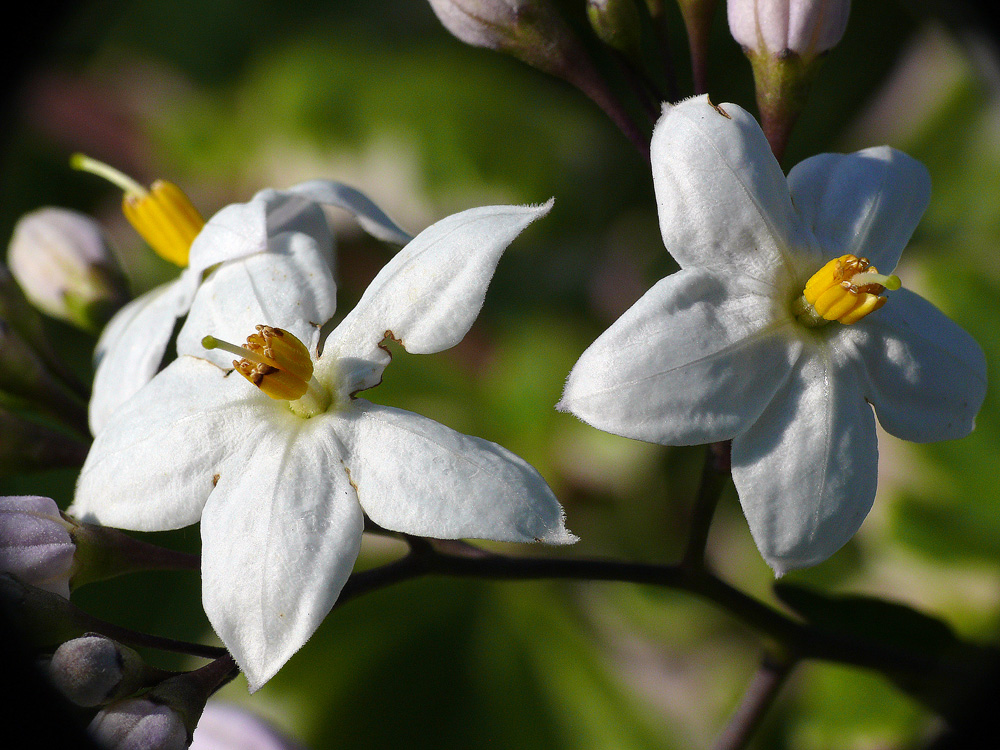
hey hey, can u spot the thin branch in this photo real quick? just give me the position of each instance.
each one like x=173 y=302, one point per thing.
x=805 y=640
x=714 y=476
x=760 y=694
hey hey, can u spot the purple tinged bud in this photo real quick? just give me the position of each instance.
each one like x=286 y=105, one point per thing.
x=776 y=27
x=62 y=261
x=35 y=543
x=140 y=724
x=94 y=670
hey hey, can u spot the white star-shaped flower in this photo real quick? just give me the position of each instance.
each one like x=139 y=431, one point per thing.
x=281 y=475
x=132 y=346
x=737 y=345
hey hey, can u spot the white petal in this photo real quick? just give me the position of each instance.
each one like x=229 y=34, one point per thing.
x=417 y=476
x=806 y=471
x=280 y=535
x=238 y=230
x=131 y=348
x=290 y=287
x=695 y=360
x=866 y=204
x=723 y=200
x=152 y=466
x=430 y=293
x=926 y=377
x=371 y=218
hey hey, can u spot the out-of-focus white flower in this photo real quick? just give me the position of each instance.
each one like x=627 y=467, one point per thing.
x=227 y=727
x=62 y=261
x=776 y=27
x=280 y=460
x=35 y=544
x=774 y=334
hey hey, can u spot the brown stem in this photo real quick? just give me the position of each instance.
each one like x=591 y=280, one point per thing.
x=760 y=694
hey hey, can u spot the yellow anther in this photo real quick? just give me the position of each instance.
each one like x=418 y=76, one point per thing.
x=273 y=360
x=844 y=290
x=162 y=215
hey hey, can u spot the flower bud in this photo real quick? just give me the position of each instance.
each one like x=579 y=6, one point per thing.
x=803 y=27
x=140 y=724
x=617 y=24
x=93 y=670
x=165 y=717
x=35 y=544
x=784 y=40
x=28 y=445
x=62 y=261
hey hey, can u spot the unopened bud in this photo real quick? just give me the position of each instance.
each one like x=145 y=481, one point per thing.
x=784 y=41
x=62 y=261
x=140 y=724
x=35 y=544
x=535 y=33
x=93 y=670
x=530 y=30
x=28 y=445
x=618 y=25
x=165 y=717
x=805 y=28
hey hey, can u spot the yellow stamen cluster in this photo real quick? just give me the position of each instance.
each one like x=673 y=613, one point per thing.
x=162 y=215
x=166 y=219
x=844 y=290
x=273 y=360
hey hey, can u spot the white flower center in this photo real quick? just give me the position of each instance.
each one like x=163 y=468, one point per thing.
x=280 y=365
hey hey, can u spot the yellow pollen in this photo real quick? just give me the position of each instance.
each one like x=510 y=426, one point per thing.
x=844 y=290
x=163 y=215
x=273 y=360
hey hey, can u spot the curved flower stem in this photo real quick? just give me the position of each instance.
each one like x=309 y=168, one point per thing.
x=134 y=638
x=760 y=694
x=714 y=476
x=457 y=559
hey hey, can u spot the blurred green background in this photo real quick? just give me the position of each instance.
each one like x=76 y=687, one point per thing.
x=228 y=96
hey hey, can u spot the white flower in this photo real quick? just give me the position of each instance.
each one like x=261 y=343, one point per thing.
x=281 y=484
x=132 y=346
x=727 y=348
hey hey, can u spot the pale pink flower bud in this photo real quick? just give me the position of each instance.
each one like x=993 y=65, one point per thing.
x=35 y=544
x=62 y=261
x=804 y=27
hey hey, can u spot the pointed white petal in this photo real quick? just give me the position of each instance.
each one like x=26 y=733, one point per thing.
x=806 y=471
x=238 y=230
x=925 y=376
x=417 y=476
x=695 y=360
x=152 y=466
x=430 y=293
x=131 y=348
x=371 y=218
x=866 y=204
x=280 y=535
x=289 y=287
x=723 y=200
